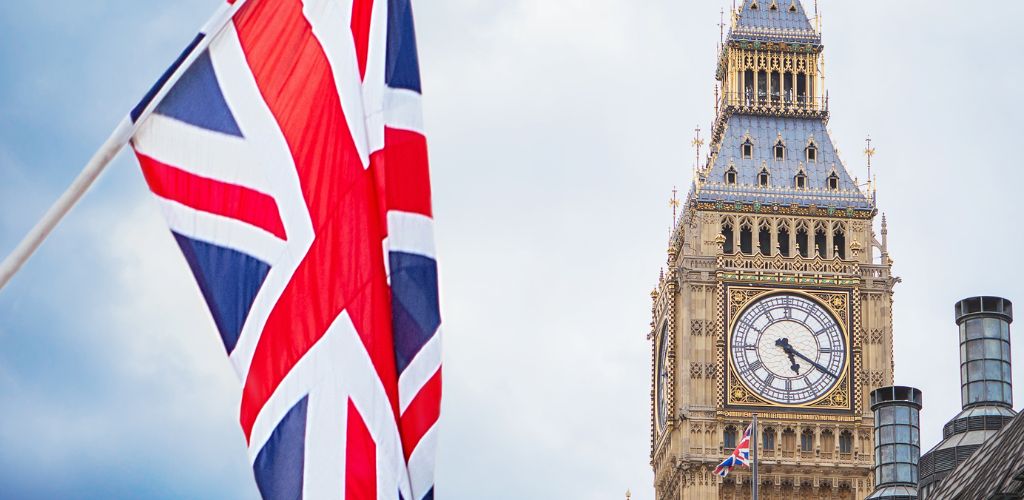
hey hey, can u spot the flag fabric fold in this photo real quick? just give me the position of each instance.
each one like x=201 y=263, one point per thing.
x=290 y=162
x=739 y=456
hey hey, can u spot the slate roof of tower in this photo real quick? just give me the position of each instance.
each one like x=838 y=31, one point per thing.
x=789 y=22
x=796 y=134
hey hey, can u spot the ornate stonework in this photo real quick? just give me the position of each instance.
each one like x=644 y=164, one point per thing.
x=737 y=244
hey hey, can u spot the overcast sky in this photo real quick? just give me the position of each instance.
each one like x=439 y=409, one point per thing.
x=557 y=130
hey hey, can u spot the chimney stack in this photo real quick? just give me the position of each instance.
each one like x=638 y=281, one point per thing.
x=897 y=442
x=986 y=387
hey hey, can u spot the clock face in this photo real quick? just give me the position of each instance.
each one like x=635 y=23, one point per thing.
x=661 y=382
x=788 y=349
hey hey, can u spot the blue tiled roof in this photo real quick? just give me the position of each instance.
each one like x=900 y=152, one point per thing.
x=796 y=133
x=780 y=24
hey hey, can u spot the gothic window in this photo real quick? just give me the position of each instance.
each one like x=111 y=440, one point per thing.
x=727 y=233
x=780 y=151
x=839 y=241
x=753 y=5
x=746 y=239
x=801 y=87
x=729 y=438
x=833 y=182
x=807 y=440
x=820 y=246
x=748 y=86
x=776 y=83
x=730 y=176
x=801 y=241
x=845 y=442
x=800 y=181
x=787 y=87
x=784 y=241
x=764 y=178
x=764 y=239
x=774 y=5
x=768 y=439
x=762 y=85
x=747 y=149
x=812 y=153
x=792 y=6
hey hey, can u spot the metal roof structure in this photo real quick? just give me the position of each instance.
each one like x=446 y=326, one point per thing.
x=796 y=135
x=993 y=471
x=773 y=21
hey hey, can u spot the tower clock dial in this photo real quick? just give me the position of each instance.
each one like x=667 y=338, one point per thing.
x=788 y=349
x=661 y=374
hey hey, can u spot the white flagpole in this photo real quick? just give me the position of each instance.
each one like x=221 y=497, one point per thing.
x=113 y=145
x=754 y=483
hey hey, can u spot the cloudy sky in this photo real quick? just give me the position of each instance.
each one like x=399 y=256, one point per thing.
x=557 y=130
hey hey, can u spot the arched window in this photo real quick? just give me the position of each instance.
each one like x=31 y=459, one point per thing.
x=746 y=239
x=820 y=244
x=780 y=151
x=730 y=176
x=839 y=241
x=764 y=238
x=768 y=439
x=811 y=153
x=833 y=182
x=764 y=178
x=727 y=233
x=807 y=440
x=729 y=438
x=802 y=241
x=784 y=241
x=845 y=442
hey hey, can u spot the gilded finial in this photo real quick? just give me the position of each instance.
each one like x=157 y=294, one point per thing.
x=674 y=203
x=628 y=494
x=869 y=152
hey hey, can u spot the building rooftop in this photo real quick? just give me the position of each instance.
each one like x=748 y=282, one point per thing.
x=773 y=21
x=796 y=135
x=991 y=471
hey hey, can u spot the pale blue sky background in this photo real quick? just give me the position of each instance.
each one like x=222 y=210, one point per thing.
x=557 y=129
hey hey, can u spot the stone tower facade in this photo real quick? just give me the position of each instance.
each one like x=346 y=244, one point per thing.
x=777 y=295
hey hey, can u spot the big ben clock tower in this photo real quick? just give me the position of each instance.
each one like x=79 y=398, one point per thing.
x=777 y=296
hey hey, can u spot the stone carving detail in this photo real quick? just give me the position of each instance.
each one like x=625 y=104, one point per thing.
x=696 y=371
x=697 y=327
x=875 y=336
x=710 y=371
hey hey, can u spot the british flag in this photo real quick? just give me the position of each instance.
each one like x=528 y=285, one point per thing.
x=739 y=456
x=289 y=159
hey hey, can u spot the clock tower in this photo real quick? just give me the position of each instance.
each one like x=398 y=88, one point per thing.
x=777 y=295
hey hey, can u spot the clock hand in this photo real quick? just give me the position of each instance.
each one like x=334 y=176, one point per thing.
x=784 y=344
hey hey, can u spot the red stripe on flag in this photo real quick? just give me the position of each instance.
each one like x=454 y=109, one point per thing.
x=405 y=170
x=360 y=458
x=212 y=196
x=421 y=414
x=362 y=15
x=344 y=268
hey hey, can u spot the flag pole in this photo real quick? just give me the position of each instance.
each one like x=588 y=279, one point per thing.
x=755 y=485
x=113 y=145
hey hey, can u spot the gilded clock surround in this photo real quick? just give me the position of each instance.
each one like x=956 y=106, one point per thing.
x=737 y=396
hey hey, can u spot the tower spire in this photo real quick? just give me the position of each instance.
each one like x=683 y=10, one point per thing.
x=674 y=203
x=869 y=152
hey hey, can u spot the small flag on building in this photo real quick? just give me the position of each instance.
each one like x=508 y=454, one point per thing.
x=740 y=456
x=286 y=149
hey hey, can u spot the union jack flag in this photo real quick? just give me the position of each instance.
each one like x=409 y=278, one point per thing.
x=740 y=456
x=290 y=162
